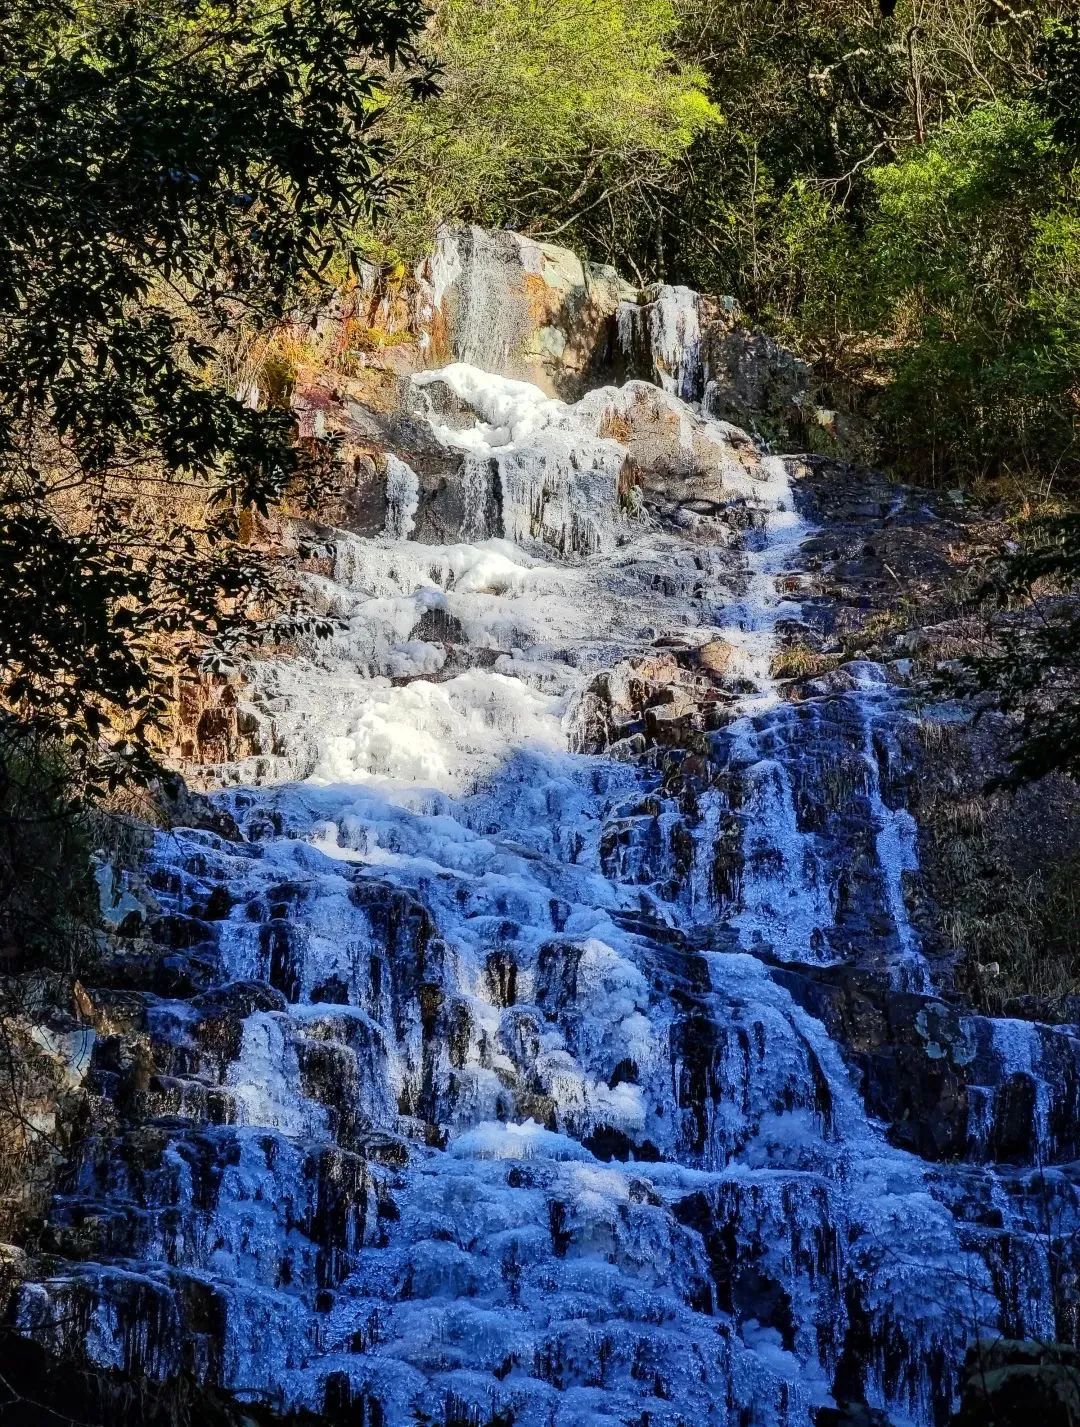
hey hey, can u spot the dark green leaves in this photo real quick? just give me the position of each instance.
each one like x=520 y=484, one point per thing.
x=167 y=173
x=1059 y=90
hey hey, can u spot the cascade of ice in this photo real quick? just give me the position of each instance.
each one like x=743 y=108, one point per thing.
x=402 y=498
x=482 y=1093
x=668 y=329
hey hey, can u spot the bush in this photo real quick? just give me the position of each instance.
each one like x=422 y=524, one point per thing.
x=47 y=895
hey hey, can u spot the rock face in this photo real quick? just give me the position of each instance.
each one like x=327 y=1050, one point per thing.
x=524 y=309
x=544 y=1037
x=536 y=312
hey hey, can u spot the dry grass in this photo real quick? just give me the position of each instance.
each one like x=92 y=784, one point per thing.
x=935 y=736
x=1019 y=934
x=877 y=628
x=799 y=661
x=842 y=780
x=616 y=426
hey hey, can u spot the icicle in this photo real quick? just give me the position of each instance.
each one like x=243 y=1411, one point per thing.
x=402 y=498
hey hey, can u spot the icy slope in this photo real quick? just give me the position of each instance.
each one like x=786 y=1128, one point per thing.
x=481 y=1095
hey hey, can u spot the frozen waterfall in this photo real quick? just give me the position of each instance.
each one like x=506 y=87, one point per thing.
x=484 y=1091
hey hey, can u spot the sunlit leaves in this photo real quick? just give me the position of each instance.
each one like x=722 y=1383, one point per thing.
x=546 y=110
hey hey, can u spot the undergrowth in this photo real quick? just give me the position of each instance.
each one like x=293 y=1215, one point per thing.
x=1003 y=869
x=800 y=661
x=47 y=918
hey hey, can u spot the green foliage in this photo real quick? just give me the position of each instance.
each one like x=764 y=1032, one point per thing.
x=1059 y=88
x=553 y=116
x=974 y=251
x=809 y=93
x=892 y=194
x=166 y=172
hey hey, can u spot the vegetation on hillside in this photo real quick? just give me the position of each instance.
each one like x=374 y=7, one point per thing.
x=169 y=174
x=561 y=118
x=1002 y=869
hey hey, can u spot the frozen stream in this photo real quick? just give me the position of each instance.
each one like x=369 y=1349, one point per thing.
x=479 y=1097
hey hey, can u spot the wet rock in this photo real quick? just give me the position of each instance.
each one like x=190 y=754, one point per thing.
x=753 y=382
x=439 y=626
x=222 y=1012
x=911 y=1054
x=501 y=972
x=1013 y=1137
x=1014 y=1384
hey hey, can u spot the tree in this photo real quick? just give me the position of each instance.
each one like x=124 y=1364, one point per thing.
x=167 y=172
x=973 y=262
x=817 y=95
x=556 y=116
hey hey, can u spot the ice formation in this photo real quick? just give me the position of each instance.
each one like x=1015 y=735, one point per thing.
x=483 y=1093
x=668 y=329
x=402 y=498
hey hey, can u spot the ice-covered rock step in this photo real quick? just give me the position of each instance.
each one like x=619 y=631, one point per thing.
x=1023 y=1089
x=1020 y=1220
x=625 y=1264
x=815 y=793
x=246 y=1203
x=528 y=1260
x=241 y=1054
x=576 y=477
x=677 y=1374
x=162 y=1321
x=175 y=1099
